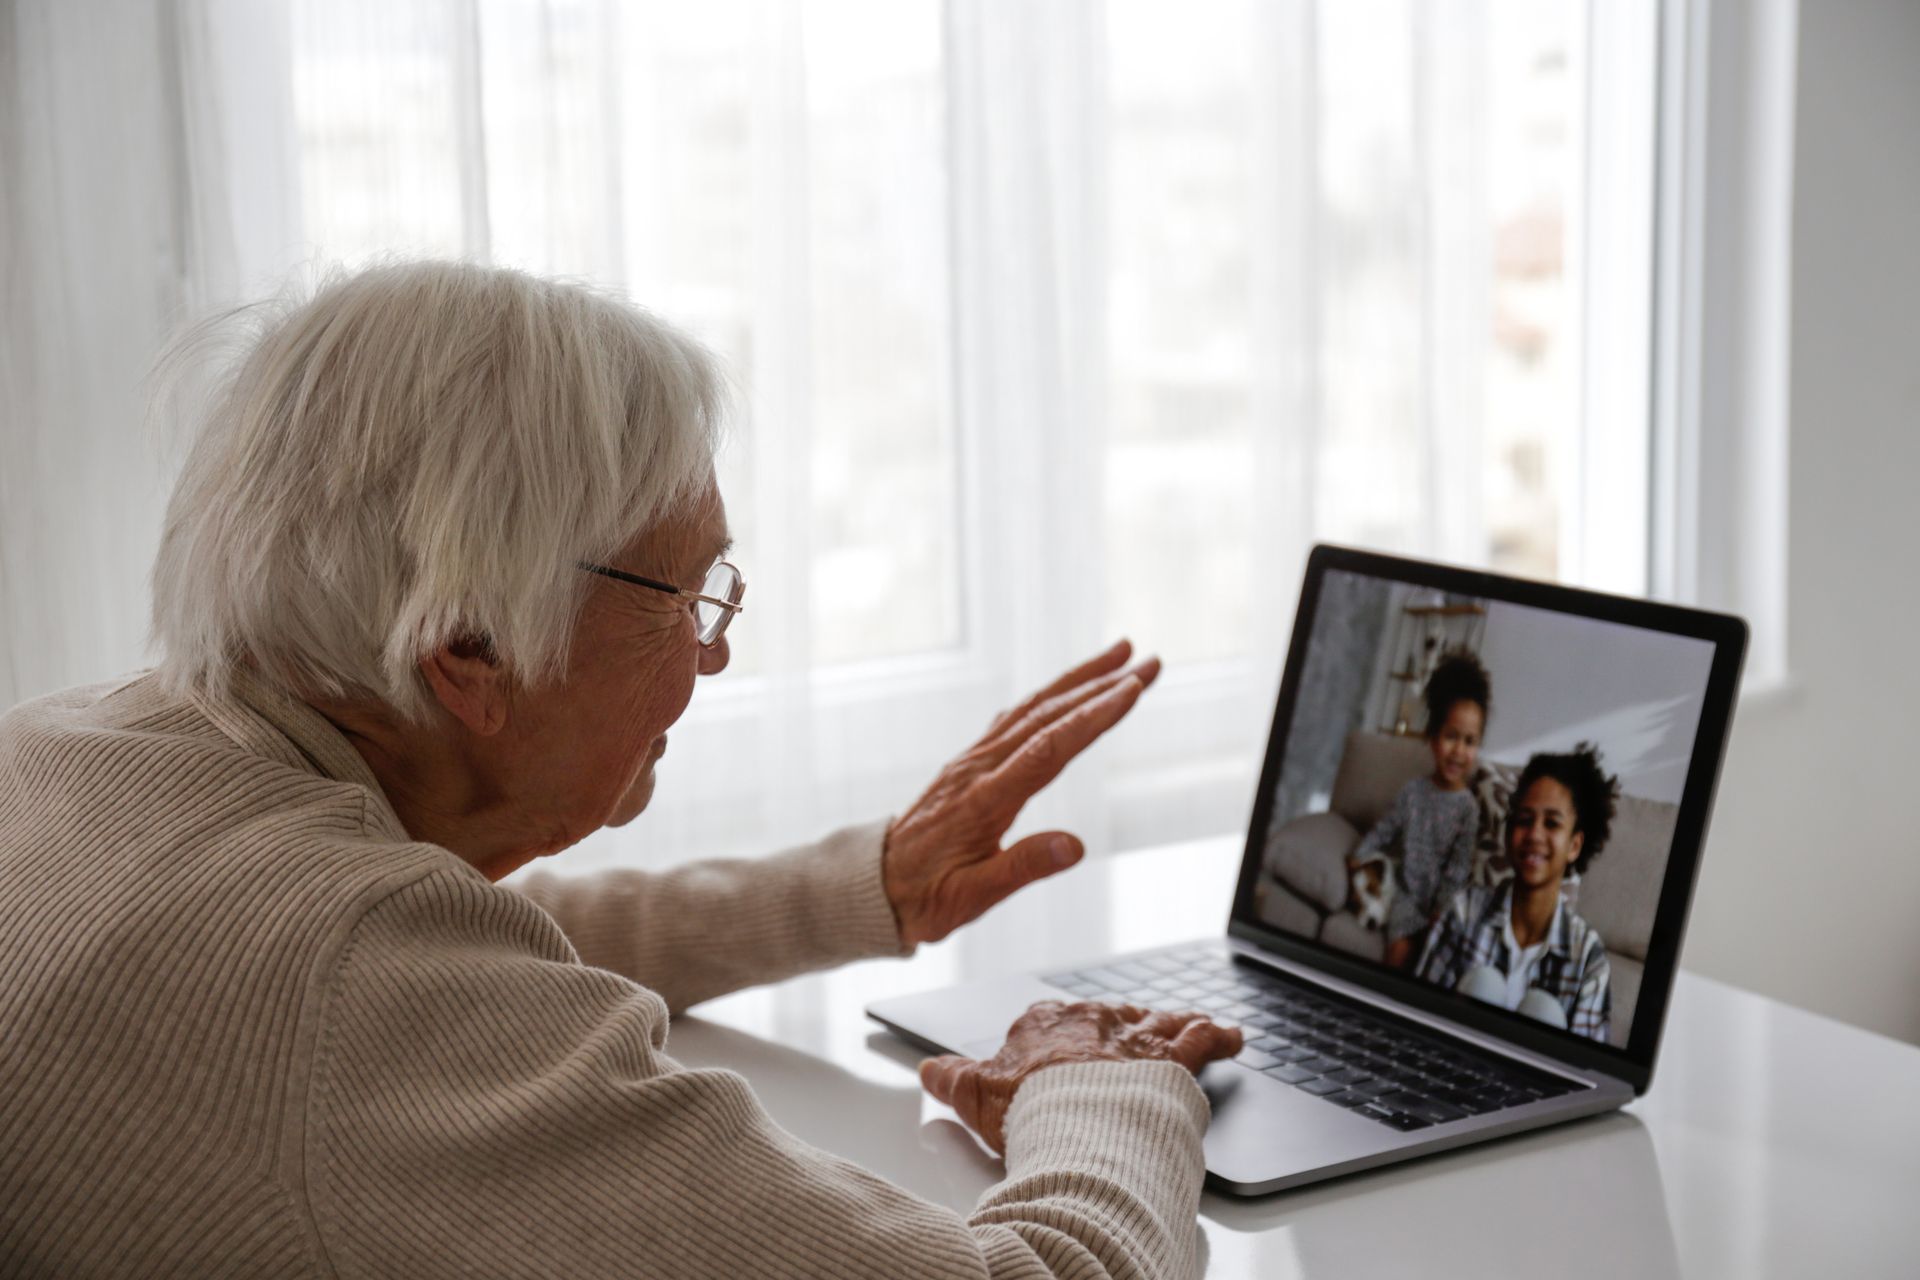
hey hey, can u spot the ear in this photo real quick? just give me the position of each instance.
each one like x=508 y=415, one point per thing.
x=468 y=680
x=1575 y=843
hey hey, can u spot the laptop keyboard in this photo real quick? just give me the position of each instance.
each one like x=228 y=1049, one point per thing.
x=1336 y=1049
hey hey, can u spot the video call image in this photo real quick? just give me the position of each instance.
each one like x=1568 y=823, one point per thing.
x=1483 y=795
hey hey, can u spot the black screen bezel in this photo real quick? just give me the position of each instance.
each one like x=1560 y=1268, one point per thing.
x=1727 y=633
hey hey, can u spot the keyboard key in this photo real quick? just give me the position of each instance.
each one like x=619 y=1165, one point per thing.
x=1439 y=1113
x=1108 y=978
x=1321 y=1086
x=1289 y=1073
x=1256 y=1059
x=1405 y=1122
x=1403 y=1100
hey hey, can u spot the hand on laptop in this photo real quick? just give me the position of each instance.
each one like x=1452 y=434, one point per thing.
x=1052 y=1033
x=944 y=865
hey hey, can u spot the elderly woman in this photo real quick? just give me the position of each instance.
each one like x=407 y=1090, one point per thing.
x=443 y=567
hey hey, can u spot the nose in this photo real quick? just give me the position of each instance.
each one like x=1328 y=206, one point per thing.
x=714 y=657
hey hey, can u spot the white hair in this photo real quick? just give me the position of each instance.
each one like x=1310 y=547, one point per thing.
x=416 y=454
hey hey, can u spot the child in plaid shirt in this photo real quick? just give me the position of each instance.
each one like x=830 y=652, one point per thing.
x=1520 y=944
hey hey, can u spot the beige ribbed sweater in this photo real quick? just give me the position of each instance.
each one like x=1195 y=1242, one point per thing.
x=249 y=1028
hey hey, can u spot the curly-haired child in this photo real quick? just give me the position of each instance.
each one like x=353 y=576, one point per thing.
x=1520 y=944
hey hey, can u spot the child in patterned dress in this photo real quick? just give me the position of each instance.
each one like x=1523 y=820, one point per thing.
x=1431 y=826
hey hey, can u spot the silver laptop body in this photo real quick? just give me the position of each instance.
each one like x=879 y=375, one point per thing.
x=1351 y=1064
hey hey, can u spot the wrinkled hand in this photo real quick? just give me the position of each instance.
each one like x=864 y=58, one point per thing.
x=1051 y=1033
x=943 y=864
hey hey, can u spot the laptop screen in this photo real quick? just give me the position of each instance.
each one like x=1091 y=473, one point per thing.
x=1482 y=796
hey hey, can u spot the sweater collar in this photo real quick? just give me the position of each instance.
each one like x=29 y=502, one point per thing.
x=283 y=728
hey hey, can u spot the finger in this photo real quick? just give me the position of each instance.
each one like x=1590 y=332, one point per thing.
x=938 y=1076
x=1168 y=1025
x=1203 y=1042
x=965 y=1097
x=998 y=745
x=1100 y=664
x=1040 y=759
x=982 y=886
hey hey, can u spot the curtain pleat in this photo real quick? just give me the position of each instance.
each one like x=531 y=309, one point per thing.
x=1043 y=321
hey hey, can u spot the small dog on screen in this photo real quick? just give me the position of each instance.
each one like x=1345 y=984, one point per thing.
x=1373 y=888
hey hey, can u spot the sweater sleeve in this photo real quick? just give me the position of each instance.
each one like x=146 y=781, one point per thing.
x=1391 y=826
x=705 y=929
x=480 y=1103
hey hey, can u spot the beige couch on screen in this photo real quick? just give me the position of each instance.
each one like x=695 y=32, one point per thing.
x=1303 y=883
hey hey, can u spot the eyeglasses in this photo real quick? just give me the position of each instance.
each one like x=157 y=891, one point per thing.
x=714 y=604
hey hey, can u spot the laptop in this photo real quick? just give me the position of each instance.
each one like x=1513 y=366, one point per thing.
x=1467 y=873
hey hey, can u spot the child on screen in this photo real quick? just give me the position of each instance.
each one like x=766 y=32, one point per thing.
x=1520 y=944
x=1433 y=821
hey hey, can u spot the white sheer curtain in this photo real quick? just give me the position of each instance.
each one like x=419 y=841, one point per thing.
x=1049 y=321
x=87 y=270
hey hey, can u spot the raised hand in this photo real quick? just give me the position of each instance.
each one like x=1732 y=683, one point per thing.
x=944 y=864
x=1052 y=1033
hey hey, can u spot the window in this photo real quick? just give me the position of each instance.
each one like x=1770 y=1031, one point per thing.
x=1049 y=323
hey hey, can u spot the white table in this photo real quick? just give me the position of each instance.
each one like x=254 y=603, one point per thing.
x=1773 y=1142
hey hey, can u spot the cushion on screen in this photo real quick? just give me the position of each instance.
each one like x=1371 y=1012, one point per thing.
x=1623 y=976
x=1372 y=769
x=1345 y=931
x=1621 y=887
x=1309 y=856
x=1282 y=908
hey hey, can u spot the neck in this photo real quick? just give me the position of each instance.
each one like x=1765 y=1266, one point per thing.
x=1533 y=911
x=440 y=793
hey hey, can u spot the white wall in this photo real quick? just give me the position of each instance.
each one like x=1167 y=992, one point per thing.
x=1558 y=681
x=1810 y=889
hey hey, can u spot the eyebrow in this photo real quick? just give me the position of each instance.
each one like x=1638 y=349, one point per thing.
x=707 y=563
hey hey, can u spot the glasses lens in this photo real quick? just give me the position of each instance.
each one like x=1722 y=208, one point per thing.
x=723 y=583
